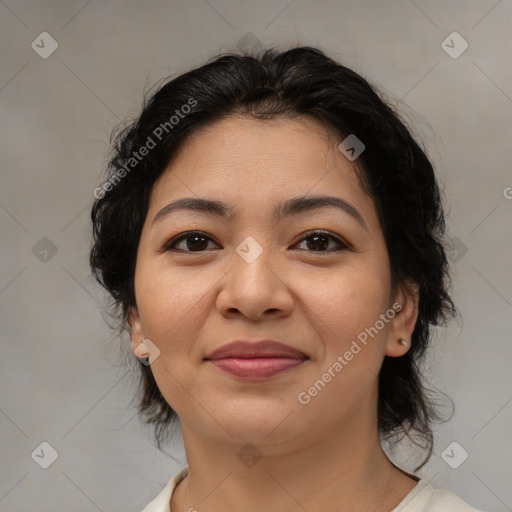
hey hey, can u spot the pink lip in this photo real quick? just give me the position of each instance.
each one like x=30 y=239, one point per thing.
x=256 y=360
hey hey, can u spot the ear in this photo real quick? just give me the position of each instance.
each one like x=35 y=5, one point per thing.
x=136 y=333
x=404 y=321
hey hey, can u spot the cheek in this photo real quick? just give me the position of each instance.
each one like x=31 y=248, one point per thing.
x=347 y=300
x=171 y=314
x=173 y=307
x=172 y=299
x=342 y=308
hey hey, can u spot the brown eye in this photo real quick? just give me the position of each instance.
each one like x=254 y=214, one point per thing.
x=318 y=241
x=193 y=241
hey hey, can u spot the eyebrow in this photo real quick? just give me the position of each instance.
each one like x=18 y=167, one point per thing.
x=294 y=206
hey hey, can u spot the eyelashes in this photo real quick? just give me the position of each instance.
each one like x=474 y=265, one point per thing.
x=189 y=235
x=320 y=239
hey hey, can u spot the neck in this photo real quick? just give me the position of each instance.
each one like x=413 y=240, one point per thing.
x=342 y=472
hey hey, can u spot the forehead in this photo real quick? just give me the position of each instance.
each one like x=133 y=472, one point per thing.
x=253 y=163
x=240 y=143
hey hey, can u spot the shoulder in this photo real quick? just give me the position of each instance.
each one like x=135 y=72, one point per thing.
x=426 y=498
x=441 y=499
x=162 y=502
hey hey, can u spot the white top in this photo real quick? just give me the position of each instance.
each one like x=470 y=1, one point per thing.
x=422 y=498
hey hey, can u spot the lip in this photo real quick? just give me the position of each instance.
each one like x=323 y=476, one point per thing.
x=256 y=360
x=255 y=349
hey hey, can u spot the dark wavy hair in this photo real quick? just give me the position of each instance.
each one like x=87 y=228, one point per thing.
x=393 y=169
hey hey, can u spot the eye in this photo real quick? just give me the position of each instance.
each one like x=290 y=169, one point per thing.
x=319 y=241
x=195 y=241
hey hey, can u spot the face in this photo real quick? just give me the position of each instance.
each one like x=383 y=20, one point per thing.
x=314 y=278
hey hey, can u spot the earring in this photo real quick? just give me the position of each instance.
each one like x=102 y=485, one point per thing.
x=141 y=352
x=402 y=341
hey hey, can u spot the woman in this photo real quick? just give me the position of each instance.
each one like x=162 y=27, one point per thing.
x=272 y=237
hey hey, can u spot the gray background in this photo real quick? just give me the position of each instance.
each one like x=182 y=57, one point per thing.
x=61 y=378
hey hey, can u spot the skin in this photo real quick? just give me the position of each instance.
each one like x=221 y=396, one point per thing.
x=325 y=455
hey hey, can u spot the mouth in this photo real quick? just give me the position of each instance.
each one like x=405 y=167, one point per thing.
x=256 y=360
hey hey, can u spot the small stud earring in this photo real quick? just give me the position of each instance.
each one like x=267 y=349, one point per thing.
x=402 y=341
x=141 y=352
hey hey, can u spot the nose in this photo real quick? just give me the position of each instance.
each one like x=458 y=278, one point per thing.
x=255 y=289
